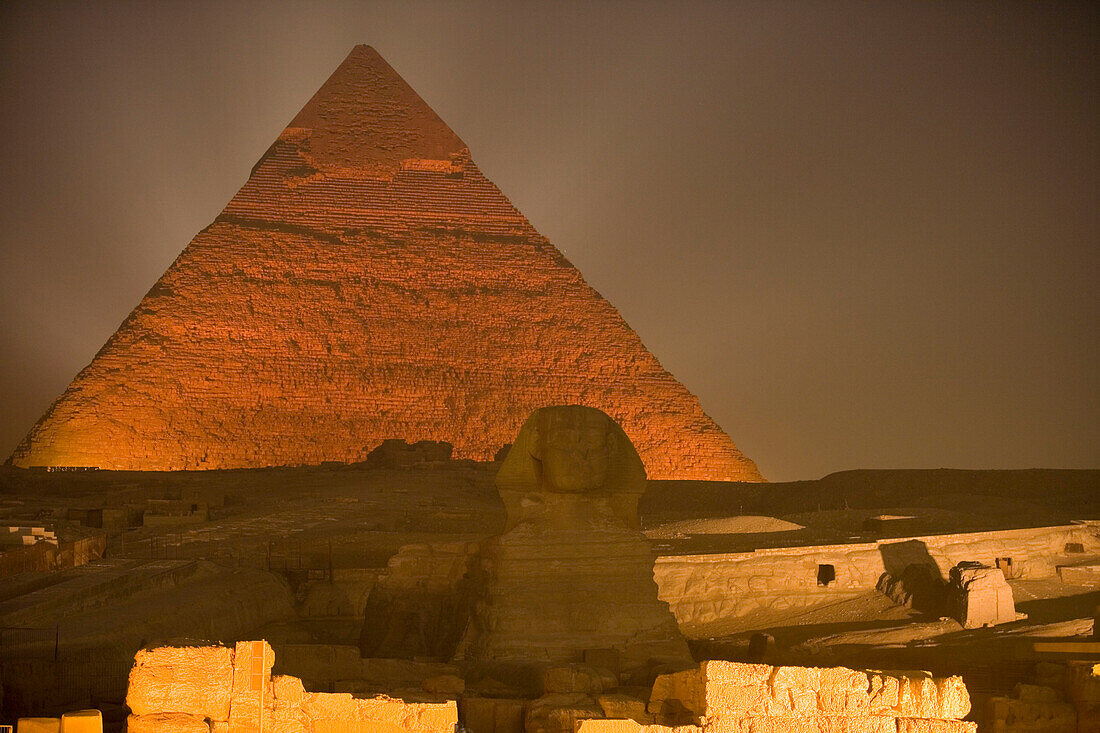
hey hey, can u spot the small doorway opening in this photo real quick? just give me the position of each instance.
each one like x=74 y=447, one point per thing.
x=826 y=574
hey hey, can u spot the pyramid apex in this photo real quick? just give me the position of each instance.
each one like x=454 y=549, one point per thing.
x=366 y=117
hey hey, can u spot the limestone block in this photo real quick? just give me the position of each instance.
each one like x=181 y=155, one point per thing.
x=1017 y=716
x=285 y=720
x=509 y=716
x=353 y=726
x=1035 y=693
x=953 y=697
x=330 y=706
x=82 y=721
x=38 y=725
x=407 y=716
x=559 y=713
x=628 y=707
x=883 y=693
x=932 y=725
x=807 y=724
x=444 y=684
x=733 y=689
x=577 y=678
x=844 y=692
x=678 y=698
x=918 y=695
x=1083 y=683
x=167 y=723
x=631 y=726
x=193 y=680
x=478 y=714
x=288 y=689
x=492 y=715
x=605 y=658
x=980 y=596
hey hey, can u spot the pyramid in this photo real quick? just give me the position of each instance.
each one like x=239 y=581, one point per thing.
x=367 y=282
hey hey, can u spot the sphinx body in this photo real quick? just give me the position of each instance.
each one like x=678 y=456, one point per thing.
x=572 y=571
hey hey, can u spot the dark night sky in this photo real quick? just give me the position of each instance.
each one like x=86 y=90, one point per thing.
x=864 y=234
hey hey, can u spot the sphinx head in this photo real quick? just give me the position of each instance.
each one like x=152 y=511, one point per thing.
x=572 y=450
x=574 y=447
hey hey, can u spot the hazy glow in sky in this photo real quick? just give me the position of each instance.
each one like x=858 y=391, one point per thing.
x=865 y=235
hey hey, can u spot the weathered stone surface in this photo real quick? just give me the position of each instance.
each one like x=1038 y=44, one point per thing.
x=288 y=689
x=330 y=706
x=418 y=607
x=807 y=724
x=559 y=713
x=82 y=721
x=1012 y=715
x=732 y=690
x=707 y=592
x=953 y=696
x=628 y=707
x=678 y=698
x=492 y=715
x=444 y=684
x=412 y=717
x=38 y=725
x=729 y=696
x=572 y=570
x=630 y=726
x=980 y=596
x=577 y=678
x=366 y=283
x=193 y=680
x=927 y=725
x=167 y=723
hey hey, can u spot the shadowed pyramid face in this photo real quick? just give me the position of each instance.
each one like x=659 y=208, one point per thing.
x=575 y=449
x=367 y=282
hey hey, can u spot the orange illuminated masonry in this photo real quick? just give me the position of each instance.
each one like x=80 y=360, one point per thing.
x=367 y=282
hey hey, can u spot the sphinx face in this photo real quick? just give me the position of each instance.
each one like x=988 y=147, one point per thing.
x=576 y=448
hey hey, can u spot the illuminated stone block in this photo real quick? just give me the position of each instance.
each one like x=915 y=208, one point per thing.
x=167 y=723
x=82 y=721
x=193 y=680
x=38 y=725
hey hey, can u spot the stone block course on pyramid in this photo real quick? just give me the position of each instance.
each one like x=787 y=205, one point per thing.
x=367 y=282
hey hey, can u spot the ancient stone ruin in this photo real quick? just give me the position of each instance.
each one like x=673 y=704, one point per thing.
x=214 y=689
x=366 y=283
x=979 y=596
x=572 y=571
x=359 y=335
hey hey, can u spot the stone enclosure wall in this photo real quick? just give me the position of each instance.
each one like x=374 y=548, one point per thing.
x=214 y=689
x=705 y=589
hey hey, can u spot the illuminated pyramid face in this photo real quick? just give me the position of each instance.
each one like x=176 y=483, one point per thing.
x=367 y=282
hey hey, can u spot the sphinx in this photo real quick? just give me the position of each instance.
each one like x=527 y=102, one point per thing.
x=572 y=571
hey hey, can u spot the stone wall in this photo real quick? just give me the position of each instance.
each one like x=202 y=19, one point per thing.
x=704 y=589
x=48 y=556
x=729 y=697
x=1067 y=701
x=215 y=689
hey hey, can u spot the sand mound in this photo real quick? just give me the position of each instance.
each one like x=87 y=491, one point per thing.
x=744 y=524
